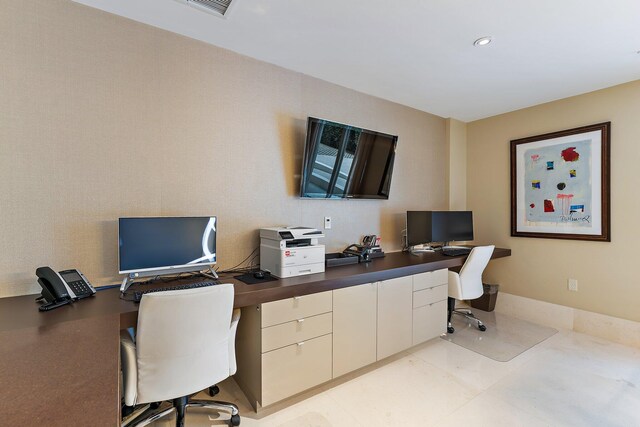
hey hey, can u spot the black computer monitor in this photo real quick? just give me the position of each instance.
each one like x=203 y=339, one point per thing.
x=418 y=228
x=424 y=227
x=166 y=245
x=449 y=226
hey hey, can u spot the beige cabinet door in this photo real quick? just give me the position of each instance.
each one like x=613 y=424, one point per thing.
x=354 y=327
x=395 y=316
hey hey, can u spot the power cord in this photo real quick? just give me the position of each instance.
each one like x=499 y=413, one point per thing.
x=403 y=240
x=249 y=258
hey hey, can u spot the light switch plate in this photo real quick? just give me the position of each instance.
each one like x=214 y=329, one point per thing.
x=327 y=223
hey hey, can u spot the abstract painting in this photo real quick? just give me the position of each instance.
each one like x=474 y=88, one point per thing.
x=560 y=184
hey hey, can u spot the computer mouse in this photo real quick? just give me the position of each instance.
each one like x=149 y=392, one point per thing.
x=258 y=275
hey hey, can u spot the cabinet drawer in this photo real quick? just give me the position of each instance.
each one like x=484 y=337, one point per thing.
x=295 y=331
x=430 y=295
x=429 y=321
x=286 y=310
x=295 y=368
x=430 y=279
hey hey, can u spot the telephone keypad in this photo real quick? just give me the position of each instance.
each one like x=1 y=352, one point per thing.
x=79 y=288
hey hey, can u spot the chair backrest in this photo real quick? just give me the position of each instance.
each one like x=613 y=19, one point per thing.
x=182 y=341
x=471 y=271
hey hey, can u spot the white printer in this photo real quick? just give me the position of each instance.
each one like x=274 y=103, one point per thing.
x=291 y=251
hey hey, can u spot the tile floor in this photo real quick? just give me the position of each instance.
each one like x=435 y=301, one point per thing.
x=570 y=379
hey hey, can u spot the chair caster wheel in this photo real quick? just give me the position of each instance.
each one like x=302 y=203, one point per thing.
x=450 y=330
x=482 y=328
x=235 y=420
x=213 y=390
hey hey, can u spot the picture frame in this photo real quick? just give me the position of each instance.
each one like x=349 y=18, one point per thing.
x=560 y=184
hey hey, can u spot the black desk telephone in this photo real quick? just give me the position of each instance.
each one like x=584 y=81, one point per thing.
x=62 y=288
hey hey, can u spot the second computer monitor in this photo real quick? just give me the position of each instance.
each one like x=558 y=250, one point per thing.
x=424 y=227
x=449 y=226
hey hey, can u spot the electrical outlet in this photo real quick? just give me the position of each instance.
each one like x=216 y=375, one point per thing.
x=327 y=223
x=572 y=284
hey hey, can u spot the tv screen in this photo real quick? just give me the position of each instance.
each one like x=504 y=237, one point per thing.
x=343 y=161
x=147 y=244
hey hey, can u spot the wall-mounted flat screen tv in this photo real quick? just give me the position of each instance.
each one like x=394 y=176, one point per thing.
x=346 y=162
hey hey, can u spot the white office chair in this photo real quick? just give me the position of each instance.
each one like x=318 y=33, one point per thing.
x=467 y=284
x=185 y=342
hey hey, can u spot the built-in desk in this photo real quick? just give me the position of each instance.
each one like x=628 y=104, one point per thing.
x=395 y=264
x=62 y=367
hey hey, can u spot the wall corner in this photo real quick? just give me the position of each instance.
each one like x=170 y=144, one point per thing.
x=456 y=163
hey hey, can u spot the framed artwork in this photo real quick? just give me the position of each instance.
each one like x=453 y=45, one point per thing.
x=560 y=184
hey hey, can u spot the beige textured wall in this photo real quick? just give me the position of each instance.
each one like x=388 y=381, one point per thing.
x=539 y=268
x=102 y=117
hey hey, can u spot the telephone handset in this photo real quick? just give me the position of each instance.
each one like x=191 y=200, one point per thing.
x=62 y=288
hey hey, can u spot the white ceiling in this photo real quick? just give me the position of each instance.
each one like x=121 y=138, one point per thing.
x=420 y=53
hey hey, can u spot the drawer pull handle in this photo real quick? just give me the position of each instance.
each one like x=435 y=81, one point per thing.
x=300 y=344
x=300 y=320
x=296 y=298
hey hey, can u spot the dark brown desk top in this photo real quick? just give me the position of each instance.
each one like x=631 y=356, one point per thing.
x=394 y=264
x=22 y=312
x=62 y=366
x=61 y=375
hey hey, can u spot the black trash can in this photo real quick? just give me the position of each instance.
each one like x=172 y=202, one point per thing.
x=487 y=302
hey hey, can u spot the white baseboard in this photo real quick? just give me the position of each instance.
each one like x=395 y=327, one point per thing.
x=614 y=329
x=557 y=316
x=540 y=312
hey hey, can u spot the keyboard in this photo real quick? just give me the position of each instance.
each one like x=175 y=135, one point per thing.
x=137 y=295
x=456 y=251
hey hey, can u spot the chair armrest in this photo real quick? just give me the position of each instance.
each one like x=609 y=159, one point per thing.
x=235 y=318
x=129 y=368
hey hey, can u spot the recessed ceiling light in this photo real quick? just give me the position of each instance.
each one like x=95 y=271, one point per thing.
x=482 y=41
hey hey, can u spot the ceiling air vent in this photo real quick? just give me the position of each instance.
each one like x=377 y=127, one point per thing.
x=216 y=6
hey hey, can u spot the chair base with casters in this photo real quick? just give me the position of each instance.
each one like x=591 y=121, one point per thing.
x=153 y=412
x=465 y=313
